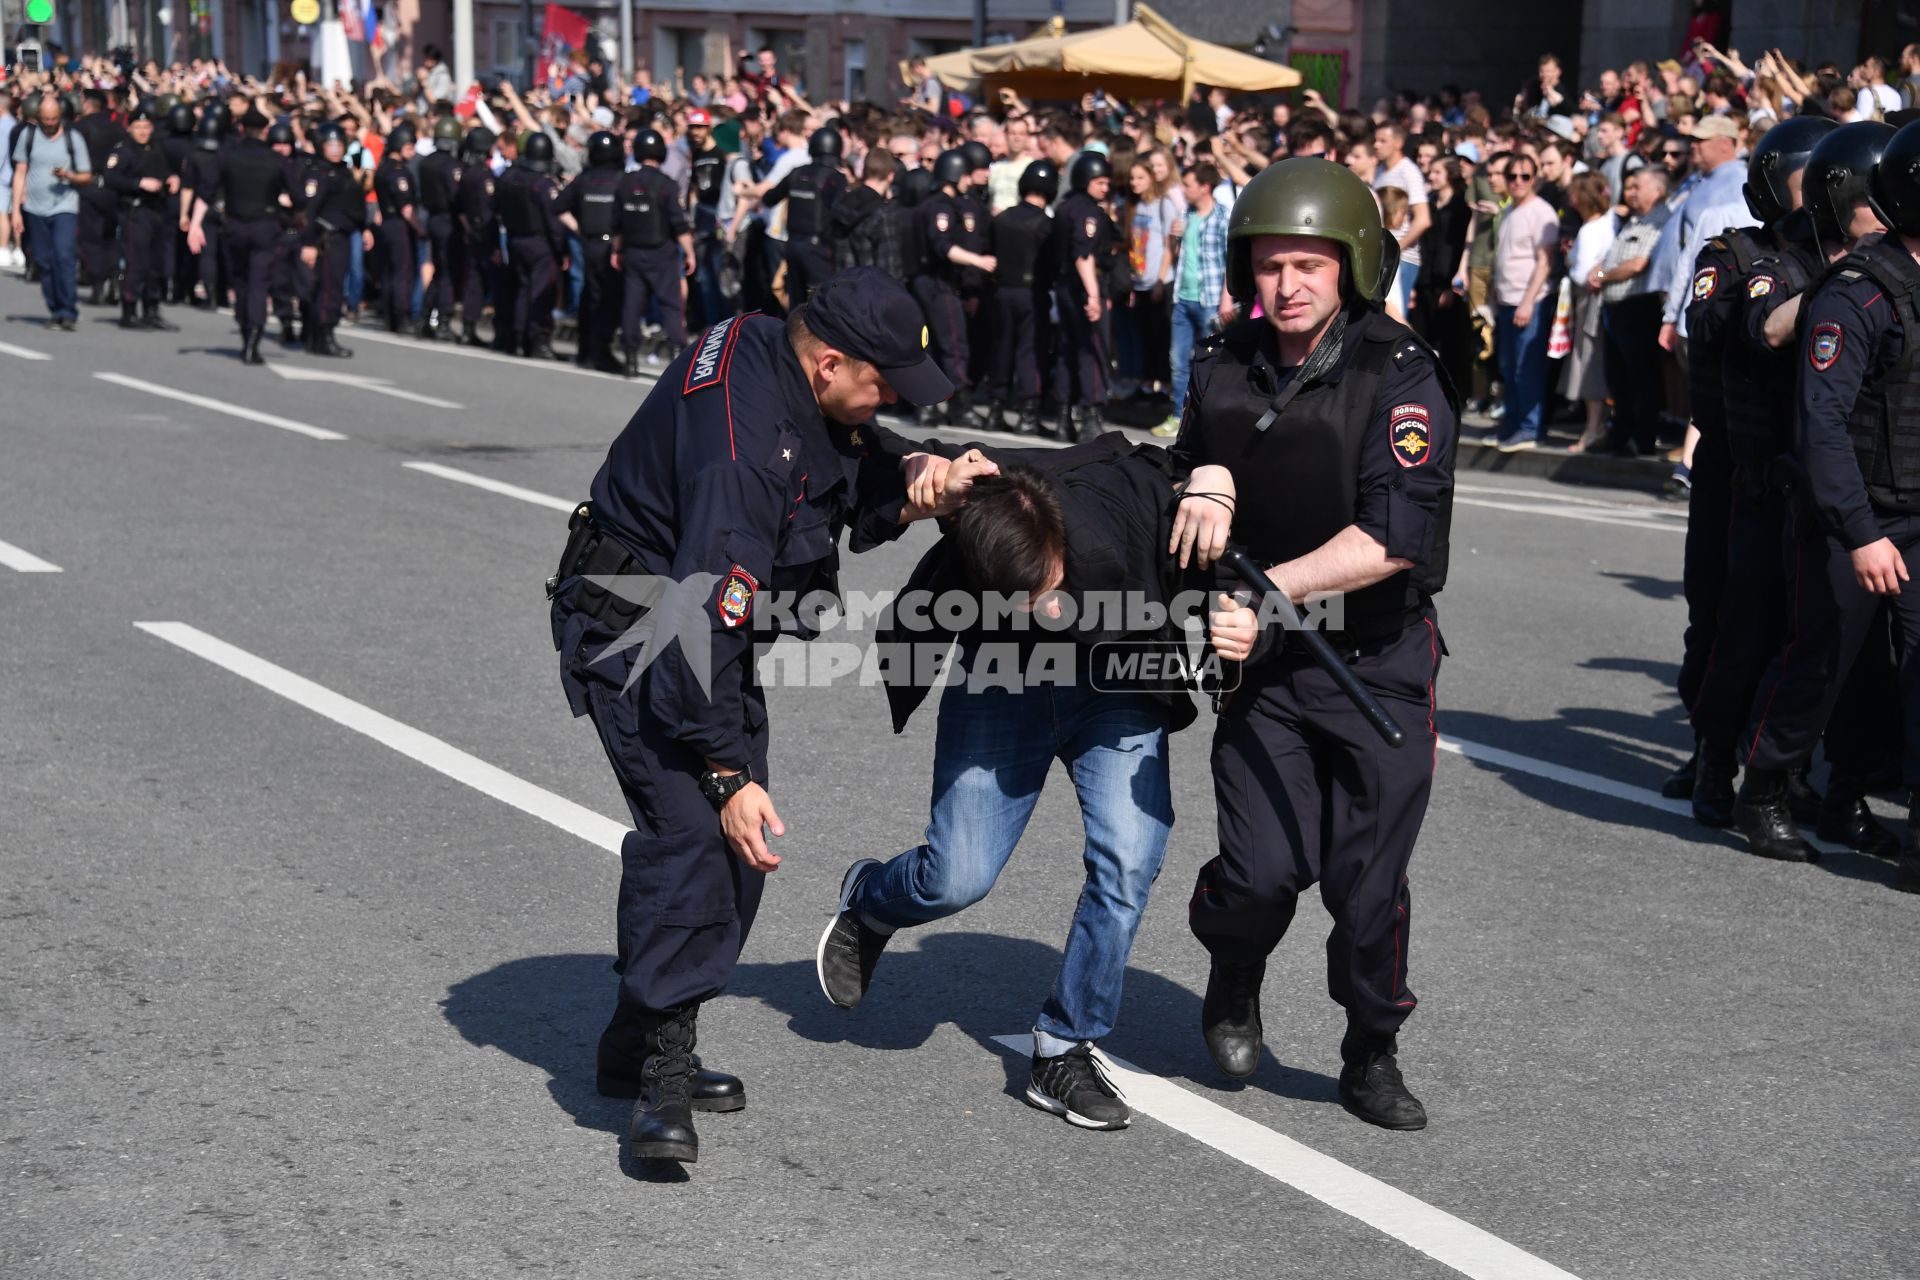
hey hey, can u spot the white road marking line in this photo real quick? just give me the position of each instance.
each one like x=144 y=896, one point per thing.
x=493 y=486
x=1676 y=510
x=7 y=348
x=439 y=756
x=1538 y=509
x=22 y=561
x=234 y=411
x=498 y=357
x=1576 y=778
x=1446 y=1239
x=380 y=386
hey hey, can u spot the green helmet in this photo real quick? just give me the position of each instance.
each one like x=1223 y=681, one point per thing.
x=446 y=129
x=1308 y=196
x=166 y=102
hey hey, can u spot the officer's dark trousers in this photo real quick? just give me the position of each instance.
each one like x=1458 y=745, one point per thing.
x=687 y=901
x=250 y=246
x=398 y=265
x=99 y=224
x=652 y=275
x=282 y=281
x=145 y=235
x=442 y=243
x=1306 y=791
x=808 y=266
x=1080 y=367
x=1832 y=625
x=946 y=325
x=475 y=274
x=176 y=264
x=212 y=254
x=1632 y=357
x=600 y=305
x=1704 y=576
x=1018 y=316
x=536 y=276
x=330 y=279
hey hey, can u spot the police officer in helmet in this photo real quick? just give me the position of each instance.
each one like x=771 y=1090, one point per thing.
x=1084 y=241
x=589 y=208
x=810 y=192
x=439 y=179
x=947 y=255
x=478 y=231
x=1022 y=283
x=395 y=230
x=523 y=200
x=1856 y=445
x=655 y=245
x=1339 y=420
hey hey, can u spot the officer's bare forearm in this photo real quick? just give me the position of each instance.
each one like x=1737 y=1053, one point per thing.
x=570 y=222
x=965 y=258
x=1083 y=267
x=1780 y=325
x=1350 y=560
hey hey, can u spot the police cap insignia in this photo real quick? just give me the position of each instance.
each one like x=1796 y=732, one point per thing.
x=1824 y=349
x=735 y=601
x=1409 y=432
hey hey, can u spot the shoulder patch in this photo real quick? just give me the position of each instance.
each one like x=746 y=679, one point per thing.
x=1093 y=229
x=1705 y=282
x=1759 y=286
x=940 y=221
x=1823 y=350
x=1410 y=433
x=735 y=602
x=709 y=367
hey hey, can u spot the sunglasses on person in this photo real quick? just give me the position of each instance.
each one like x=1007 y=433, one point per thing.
x=1519 y=175
x=1673 y=153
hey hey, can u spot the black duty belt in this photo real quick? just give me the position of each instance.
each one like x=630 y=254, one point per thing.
x=595 y=555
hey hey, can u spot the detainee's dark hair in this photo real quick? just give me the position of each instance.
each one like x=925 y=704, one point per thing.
x=1011 y=534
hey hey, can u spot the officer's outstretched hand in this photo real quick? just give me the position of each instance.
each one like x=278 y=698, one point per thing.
x=924 y=474
x=1204 y=518
x=1234 y=628
x=1879 y=567
x=970 y=466
x=741 y=820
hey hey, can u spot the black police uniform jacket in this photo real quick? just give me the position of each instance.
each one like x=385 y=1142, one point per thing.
x=1369 y=443
x=730 y=482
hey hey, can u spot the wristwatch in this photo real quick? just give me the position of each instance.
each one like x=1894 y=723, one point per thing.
x=719 y=788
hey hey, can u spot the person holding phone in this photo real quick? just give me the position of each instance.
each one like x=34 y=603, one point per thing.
x=51 y=164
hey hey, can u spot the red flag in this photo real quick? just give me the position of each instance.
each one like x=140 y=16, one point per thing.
x=562 y=32
x=468 y=104
x=350 y=20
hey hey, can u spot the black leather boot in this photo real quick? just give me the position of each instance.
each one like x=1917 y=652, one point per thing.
x=662 y=1125
x=250 y=347
x=130 y=316
x=1802 y=800
x=1059 y=426
x=928 y=415
x=326 y=345
x=1679 y=783
x=1028 y=424
x=1713 y=787
x=1761 y=814
x=1371 y=1086
x=93 y=298
x=622 y=1057
x=470 y=336
x=540 y=347
x=1845 y=818
x=631 y=366
x=151 y=318
x=1230 y=1015
x=289 y=337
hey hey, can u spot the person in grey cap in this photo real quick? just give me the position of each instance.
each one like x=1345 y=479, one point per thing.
x=735 y=479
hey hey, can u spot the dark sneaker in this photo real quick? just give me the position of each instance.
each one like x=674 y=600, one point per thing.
x=849 y=949
x=1075 y=1085
x=1371 y=1087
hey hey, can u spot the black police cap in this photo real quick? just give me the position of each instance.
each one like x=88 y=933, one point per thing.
x=869 y=315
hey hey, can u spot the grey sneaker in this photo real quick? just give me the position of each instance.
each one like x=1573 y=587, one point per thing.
x=849 y=949
x=1074 y=1085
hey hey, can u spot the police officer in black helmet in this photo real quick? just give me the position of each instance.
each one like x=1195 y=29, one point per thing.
x=439 y=179
x=176 y=144
x=946 y=257
x=396 y=230
x=1857 y=447
x=1022 y=287
x=589 y=206
x=200 y=176
x=810 y=192
x=1339 y=429
x=523 y=200
x=655 y=245
x=282 y=289
x=1084 y=239
x=479 y=234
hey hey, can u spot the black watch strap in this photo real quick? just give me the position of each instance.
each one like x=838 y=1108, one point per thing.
x=719 y=788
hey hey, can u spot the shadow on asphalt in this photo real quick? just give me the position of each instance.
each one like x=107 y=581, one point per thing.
x=1651 y=587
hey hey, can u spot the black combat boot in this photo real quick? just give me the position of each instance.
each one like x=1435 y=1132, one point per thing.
x=1802 y=800
x=621 y=1064
x=631 y=368
x=662 y=1126
x=130 y=316
x=928 y=415
x=1087 y=424
x=1230 y=1015
x=470 y=335
x=430 y=327
x=1713 y=786
x=1028 y=424
x=289 y=336
x=1370 y=1083
x=960 y=411
x=607 y=362
x=151 y=318
x=250 y=347
x=540 y=347
x=996 y=416
x=1907 y=878
x=1845 y=818
x=1761 y=814
x=321 y=343
x=1679 y=783
x=93 y=297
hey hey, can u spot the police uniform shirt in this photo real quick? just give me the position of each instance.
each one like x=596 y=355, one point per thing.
x=334 y=201
x=473 y=198
x=1778 y=278
x=102 y=135
x=1022 y=236
x=393 y=186
x=1403 y=469
x=253 y=177
x=940 y=230
x=1081 y=229
x=593 y=200
x=439 y=176
x=200 y=174
x=1850 y=337
x=729 y=479
x=128 y=164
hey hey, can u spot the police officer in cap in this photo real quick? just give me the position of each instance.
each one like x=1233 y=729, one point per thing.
x=1767 y=272
x=1084 y=239
x=1338 y=420
x=810 y=192
x=734 y=479
x=251 y=187
x=1022 y=285
x=947 y=256
x=523 y=200
x=589 y=207
x=478 y=232
x=138 y=173
x=1857 y=448
x=395 y=229
x=655 y=245
x=439 y=179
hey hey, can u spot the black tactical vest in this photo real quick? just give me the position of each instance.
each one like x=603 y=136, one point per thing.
x=1759 y=385
x=1021 y=237
x=439 y=175
x=807 y=212
x=599 y=210
x=1885 y=425
x=643 y=215
x=513 y=202
x=1298 y=478
x=1730 y=257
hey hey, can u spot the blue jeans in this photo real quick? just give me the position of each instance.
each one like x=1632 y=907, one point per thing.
x=1403 y=285
x=356 y=275
x=990 y=759
x=1523 y=370
x=1190 y=320
x=51 y=236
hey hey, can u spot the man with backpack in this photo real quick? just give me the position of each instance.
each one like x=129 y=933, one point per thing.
x=50 y=165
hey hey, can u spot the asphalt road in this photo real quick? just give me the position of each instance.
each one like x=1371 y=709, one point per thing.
x=281 y=1000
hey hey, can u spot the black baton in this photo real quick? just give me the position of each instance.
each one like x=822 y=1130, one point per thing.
x=1262 y=587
